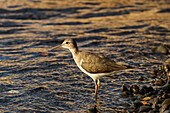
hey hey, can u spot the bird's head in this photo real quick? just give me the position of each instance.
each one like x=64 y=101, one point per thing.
x=67 y=44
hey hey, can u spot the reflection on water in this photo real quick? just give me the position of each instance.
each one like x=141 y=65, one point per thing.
x=32 y=79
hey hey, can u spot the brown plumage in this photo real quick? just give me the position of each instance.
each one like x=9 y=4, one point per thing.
x=94 y=65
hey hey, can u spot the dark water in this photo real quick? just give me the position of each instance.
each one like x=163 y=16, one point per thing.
x=35 y=80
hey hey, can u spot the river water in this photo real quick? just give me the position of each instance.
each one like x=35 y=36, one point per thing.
x=33 y=79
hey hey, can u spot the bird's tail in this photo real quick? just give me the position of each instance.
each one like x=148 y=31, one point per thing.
x=127 y=66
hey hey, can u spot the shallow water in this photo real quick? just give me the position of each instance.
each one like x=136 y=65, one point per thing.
x=32 y=79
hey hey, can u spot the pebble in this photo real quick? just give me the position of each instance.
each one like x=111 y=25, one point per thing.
x=165 y=105
x=152 y=100
x=44 y=54
x=145 y=108
x=124 y=88
x=13 y=91
x=154 y=74
x=145 y=103
x=140 y=96
x=167 y=68
x=164 y=95
x=166 y=87
x=160 y=92
x=136 y=105
x=126 y=104
x=147 y=98
x=164 y=108
x=166 y=101
x=134 y=89
x=160 y=49
x=144 y=90
x=151 y=93
x=151 y=111
x=155 y=101
x=155 y=106
x=140 y=78
x=126 y=93
x=92 y=110
x=159 y=82
x=167 y=111
x=132 y=98
x=125 y=111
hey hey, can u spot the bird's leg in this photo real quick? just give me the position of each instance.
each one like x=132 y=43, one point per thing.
x=96 y=90
x=97 y=84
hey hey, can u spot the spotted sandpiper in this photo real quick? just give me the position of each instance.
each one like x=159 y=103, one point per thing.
x=94 y=65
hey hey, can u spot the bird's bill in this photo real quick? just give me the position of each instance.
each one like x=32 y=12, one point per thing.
x=57 y=47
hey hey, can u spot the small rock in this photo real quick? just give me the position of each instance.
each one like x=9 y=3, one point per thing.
x=153 y=82
x=147 y=98
x=159 y=82
x=151 y=88
x=164 y=95
x=166 y=101
x=150 y=91
x=145 y=108
x=140 y=78
x=126 y=104
x=167 y=68
x=13 y=91
x=164 y=108
x=140 y=96
x=132 y=98
x=144 y=90
x=125 y=111
x=155 y=103
x=134 y=89
x=153 y=96
x=160 y=92
x=124 y=88
x=160 y=67
x=44 y=54
x=166 y=87
x=136 y=105
x=126 y=93
x=145 y=103
x=149 y=94
x=155 y=106
x=167 y=111
x=92 y=110
x=38 y=89
x=154 y=74
x=151 y=111
x=160 y=49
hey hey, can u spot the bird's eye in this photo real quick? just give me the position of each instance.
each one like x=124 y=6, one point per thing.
x=67 y=42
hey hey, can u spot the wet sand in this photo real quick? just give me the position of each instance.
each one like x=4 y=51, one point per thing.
x=35 y=80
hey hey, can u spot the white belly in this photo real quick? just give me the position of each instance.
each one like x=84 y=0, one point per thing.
x=96 y=76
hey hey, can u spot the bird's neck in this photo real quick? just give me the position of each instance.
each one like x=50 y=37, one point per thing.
x=74 y=51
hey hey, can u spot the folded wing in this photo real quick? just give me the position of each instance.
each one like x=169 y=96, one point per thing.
x=93 y=63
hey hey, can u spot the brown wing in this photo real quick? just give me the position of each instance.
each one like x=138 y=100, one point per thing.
x=94 y=63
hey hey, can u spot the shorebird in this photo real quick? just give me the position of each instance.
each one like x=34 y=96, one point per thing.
x=94 y=65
